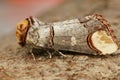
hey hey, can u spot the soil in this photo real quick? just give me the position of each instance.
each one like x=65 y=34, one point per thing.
x=15 y=64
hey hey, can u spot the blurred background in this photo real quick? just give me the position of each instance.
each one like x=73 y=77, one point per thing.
x=13 y=11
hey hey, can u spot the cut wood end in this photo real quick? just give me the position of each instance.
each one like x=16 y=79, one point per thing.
x=103 y=42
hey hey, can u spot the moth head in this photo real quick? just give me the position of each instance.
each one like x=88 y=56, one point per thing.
x=22 y=29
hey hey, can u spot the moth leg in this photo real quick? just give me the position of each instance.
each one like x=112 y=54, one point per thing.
x=60 y=53
x=49 y=53
x=32 y=54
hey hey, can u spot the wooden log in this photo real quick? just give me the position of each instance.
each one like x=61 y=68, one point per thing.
x=90 y=35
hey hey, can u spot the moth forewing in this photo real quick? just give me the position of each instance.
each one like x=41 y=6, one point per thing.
x=90 y=35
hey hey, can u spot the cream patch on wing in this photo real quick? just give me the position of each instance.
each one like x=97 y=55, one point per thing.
x=73 y=41
x=103 y=42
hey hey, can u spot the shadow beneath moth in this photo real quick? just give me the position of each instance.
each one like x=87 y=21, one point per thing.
x=90 y=35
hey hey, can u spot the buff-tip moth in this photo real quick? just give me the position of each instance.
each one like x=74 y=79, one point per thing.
x=89 y=35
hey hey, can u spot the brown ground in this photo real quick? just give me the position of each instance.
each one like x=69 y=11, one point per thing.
x=15 y=65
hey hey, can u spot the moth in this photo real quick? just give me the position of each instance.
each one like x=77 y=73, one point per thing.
x=89 y=35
